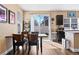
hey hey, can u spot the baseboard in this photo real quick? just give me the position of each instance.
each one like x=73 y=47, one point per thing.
x=7 y=51
x=74 y=50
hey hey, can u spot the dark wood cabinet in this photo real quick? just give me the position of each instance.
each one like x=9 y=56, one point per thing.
x=59 y=20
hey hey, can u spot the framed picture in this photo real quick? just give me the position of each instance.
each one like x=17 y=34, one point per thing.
x=11 y=17
x=3 y=14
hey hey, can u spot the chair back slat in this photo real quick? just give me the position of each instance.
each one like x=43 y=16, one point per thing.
x=36 y=33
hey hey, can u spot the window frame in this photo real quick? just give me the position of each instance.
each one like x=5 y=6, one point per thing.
x=71 y=14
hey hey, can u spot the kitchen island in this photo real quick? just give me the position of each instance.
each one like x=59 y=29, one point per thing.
x=73 y=37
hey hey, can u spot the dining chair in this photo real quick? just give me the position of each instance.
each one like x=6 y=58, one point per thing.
x=25 y=38
x=35 y=33
x=17 y=41
x=33 y=40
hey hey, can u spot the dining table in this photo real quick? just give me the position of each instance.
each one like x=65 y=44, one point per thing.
x=41 y=39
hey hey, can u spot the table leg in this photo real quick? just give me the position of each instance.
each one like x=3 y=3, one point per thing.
x=41 y=44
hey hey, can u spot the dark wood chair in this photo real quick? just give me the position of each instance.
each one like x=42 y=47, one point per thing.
x=17 y=41
x=33 y=40
x=25 y=38
x=24 y=35
x=36 y=33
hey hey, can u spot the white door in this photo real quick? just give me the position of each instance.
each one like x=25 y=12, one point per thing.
x=19 y=23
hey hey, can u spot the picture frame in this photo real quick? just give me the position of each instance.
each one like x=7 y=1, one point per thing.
x=3 y=14
x=11 y=17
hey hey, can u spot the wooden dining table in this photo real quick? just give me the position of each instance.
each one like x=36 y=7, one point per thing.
x=40 y=36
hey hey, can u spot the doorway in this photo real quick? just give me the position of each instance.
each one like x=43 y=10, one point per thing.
x=19 y=22
x=60 y=29
x=41 y=23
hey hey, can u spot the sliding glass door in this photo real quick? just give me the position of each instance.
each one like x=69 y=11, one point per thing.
x=39 y=23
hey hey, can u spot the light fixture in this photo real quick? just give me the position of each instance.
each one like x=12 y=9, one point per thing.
x=52 y=19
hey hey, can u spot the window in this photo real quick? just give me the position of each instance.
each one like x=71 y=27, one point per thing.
x=66 y=23
x=39 y=23
x=74 y=23
x=71 y=14
x=36 y=23
x=42 y=20
x=46 y=20
x=71 y=23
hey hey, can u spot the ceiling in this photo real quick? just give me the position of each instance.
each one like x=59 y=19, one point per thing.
x=48 y=7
